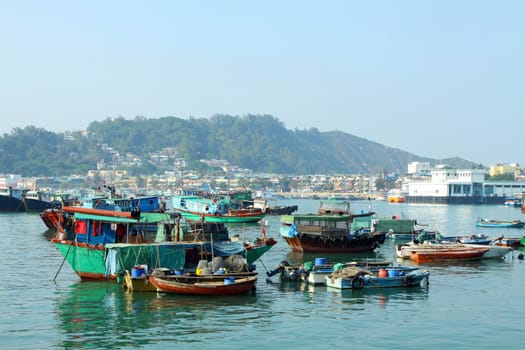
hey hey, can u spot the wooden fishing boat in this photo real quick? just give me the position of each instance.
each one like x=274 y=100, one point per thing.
x=500 y=223
x=58 y=219
x=103 y=245
x=316 y=233
x=196 y=208
x=388 y=277
x=197 y=285
x=404 y=251
x=262 y=204
x=432 y=255
x=139 y=281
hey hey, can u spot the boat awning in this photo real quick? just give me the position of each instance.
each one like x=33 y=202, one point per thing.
x=145 y=218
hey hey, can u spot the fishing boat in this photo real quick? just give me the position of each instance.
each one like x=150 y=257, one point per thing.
x=103 y=244
x=35 y=200
x=513 y=202
x=333 y=206
x=398 y=228
x=479 y=239
x=11 y=199
x=404 y=251
x=432 y=255
x=55 y=218
x=197 y=208
x=513 y=242
x=138 y=279
x=387 y=277
x=396 y=196
x=262 y=204
x=316 y=233
x=430 y=252
x=494 y=251
x=314 y=272
x=202 y=285
x=500 y=223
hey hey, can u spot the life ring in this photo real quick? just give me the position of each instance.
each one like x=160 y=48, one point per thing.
x=358 y=283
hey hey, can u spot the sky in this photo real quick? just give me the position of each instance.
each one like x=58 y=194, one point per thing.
x=438 y=79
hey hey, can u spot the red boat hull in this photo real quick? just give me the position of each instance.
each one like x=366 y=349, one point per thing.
x=453 y=254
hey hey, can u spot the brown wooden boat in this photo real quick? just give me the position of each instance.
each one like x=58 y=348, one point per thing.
x=430 y=255
x=196 y=285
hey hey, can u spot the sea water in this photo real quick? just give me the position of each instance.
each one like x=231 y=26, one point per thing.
x=469 y=305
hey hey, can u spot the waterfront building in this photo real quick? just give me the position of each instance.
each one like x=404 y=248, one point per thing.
x=461 y=186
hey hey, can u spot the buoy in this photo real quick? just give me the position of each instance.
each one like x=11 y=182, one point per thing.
x=382 y=273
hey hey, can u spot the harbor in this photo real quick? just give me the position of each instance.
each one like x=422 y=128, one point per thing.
x=452 y=311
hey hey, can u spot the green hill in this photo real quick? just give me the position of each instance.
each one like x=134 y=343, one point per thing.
x=259 y=143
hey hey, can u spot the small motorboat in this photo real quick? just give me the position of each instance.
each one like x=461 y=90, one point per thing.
x=387 y=277
x=500 y=223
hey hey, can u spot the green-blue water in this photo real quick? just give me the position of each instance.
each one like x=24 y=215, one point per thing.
x=466 y=306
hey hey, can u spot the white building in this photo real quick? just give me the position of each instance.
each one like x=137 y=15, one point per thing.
x=459 y=186
x=418 y=167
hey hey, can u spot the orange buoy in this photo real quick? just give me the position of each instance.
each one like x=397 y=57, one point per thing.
x=382 y=273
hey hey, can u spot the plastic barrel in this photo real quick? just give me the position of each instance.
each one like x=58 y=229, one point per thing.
x=137 y=272
x=229 y=280
x=320 y=261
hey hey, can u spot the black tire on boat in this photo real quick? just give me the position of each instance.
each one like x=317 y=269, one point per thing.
x=317 y=241
x=382 y=238
x=408 y=281
x=338 y=242
x=358 y=283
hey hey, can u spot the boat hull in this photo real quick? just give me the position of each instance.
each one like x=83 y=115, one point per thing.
x=309 y=244
x=203 y=287
x=226 y=218
x=427 y=255
x=360 y=282
x=88 y=261
x=500 y=224
x=11 y=204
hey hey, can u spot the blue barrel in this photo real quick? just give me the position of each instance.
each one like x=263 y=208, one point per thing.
x=137 y=272
x=229 y=280
x=320 y=261
x=392 y=273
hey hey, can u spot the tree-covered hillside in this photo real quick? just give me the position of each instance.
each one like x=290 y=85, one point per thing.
x=259 y=143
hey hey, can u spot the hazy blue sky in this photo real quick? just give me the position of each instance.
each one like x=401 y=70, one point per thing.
x=434 y=78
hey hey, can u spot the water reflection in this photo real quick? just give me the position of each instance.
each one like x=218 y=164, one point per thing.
x=381 y=296
x=101 y=314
